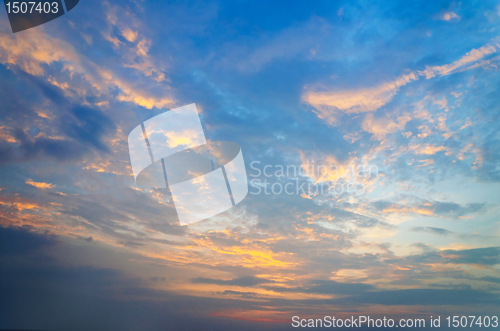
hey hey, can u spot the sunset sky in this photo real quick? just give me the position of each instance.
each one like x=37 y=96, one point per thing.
x=400 y=98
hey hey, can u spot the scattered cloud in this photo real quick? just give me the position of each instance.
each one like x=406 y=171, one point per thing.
x=380 y=127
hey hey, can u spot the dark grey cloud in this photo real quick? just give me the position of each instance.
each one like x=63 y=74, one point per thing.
x=29 y=148
x=495 y=280
x=245 y=295
x=96 y=213
x=430 y=229
x=109 y=213
x=491 y=150
x=456 y=210
x=84 y=128
x=450 y=286
x=40 y=293
x=445 y=209
x=423 y=246
x=89 y=126
x=22 y=241
x=326 y=287
x=240 y=281
x=488 y=256
x=425 y=297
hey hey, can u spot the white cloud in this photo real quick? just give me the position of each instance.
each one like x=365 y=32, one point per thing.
x=470 y=58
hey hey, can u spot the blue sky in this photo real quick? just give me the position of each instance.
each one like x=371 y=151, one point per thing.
x=408 y=90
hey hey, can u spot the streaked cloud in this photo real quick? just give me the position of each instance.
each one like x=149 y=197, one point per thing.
x=356 y=101
x=431 y=229
x=370 y=99
x=40 y=185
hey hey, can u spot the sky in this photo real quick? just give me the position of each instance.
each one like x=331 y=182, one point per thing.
x=382 y=117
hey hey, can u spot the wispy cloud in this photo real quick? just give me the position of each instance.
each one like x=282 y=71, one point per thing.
x=327 y=103
x=40 y=185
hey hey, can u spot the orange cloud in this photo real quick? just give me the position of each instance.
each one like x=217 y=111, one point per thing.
x=327 y=103
x=129 y=35
x=40 y=185
x=405 y=210
x=133 y=95
x=18 y=203
x=268 y=316
x=6 y=136
x=33 y=48
x=426 y=149
x=380 y=127
x=357 y=101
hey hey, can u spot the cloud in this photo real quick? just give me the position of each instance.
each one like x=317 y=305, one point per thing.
x=370 y=99
x=131 y=28
x=380 y=127
x=129 y=35
x=426 y=149
x=40 y=185
x=33 y=49
x=425 y=297
x=36 y=48
x=471 y=57
x=430 y=208
x=246 y=295
x=283 y=250
x=488 y=256
x=357 y=101
x=326 y=287
x=6 y=136
x=446 y=208
x=90 y=126
x=29 y=148
x=23 y=242
x=284 y=45
x=430 y=229
x=247 y=281
x=449 y=16
x=38 y=291
x=128 y=93
x=73 y=132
